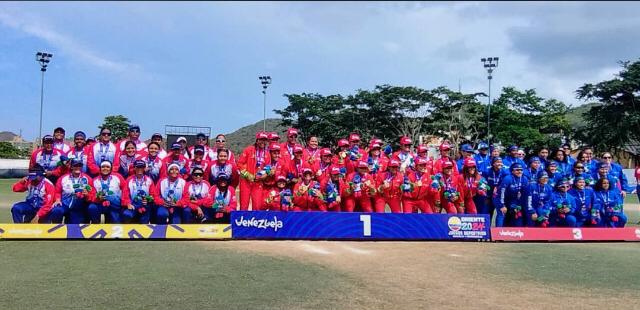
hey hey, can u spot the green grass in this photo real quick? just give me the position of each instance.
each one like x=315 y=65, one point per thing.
x=598 y=266
x=147 y=274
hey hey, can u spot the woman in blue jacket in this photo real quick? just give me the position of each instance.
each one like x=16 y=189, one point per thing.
x=609 y=203
x=538 y=201
x=585 y=197
x=561 y=161
x=563 y=206
x=512 y=203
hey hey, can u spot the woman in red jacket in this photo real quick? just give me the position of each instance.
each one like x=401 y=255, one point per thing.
x=252 y=160
x=223 y=197
x=360 y=190
x=195 y=196
x=277 y=166
x=416 y=187
x=474 y=186
x=449 y=194
x=389 y=188
x=280 y=197
x=307 y=195
x=127 y=158
x=333 y=189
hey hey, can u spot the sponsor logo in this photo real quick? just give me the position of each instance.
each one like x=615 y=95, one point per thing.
x=577 y=233
x=274 y=224
x=638 y=233
x=29 y=232
x=511 y=233
x=207 y=231
x=454 y=223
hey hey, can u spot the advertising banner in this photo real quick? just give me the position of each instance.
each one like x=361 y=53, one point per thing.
x=565 y=234
x=358 y=226
x=114 y=231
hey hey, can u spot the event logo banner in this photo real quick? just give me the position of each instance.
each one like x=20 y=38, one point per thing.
x=114 y=231
x=362 y=226
x=565 y=234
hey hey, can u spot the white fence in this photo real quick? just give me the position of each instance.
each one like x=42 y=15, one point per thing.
x=13 y=168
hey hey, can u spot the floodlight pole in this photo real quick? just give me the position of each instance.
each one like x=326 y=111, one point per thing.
x=43 y=59
x=490 y=64
x=265 y=81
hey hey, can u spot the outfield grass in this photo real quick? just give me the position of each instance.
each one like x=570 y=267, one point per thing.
x=147 y=274
x=607 y=267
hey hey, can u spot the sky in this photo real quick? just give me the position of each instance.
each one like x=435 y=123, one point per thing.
x=197 y=63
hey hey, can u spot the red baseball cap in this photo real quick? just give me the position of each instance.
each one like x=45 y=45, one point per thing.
x=447 y=164
x=354 y=137
x=274 y=147
x=421 y=161
x=292 y=131
x=297 y=149
x=343 y=142
x=445 y=146
x=422 y=148
x=325 y=152
x=363 y=164
x=273 y=136
x=376 y=140
x=335 y=170
x=375 y=145
x=394 y=163
x=405 y=140
x=281 y=178
x=261 y=135
x=469 y=162
x=307 y=170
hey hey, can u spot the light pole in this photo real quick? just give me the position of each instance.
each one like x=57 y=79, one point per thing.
x=44 y=59
x=265 y=81
x=490 y=64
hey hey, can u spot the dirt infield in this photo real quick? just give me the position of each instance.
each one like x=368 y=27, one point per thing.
x=445 y=275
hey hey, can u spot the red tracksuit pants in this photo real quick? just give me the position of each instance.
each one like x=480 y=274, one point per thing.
x=251 y=192
x=411 y=205
x=393 y=202
x=351 y=202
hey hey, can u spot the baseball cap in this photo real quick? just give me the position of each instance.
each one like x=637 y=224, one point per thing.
x=176 y=146
x=76 y=162
x=325 y=152
x=512 y=148
x=421 y=161
x=292 y=131
x=156 y=135
x=297 y=149
x=542 y=174
x=198 y=149
x=466 y=148
x=447 y=164
x=200 y=135
x=47 y=139
x=261 y=135
x=394 y=163
x=274 y=147
x=405 y=140
x=469 y=162
x=343 y=142
x=281 y=178
x=139 y=164
x=354 y=137
x=482 y=146
x=422 y=148
x=375 y=146
x=181 y=139
x=335 y=170
x=273 y=136
x=307 y=170
x=516 y=166
x=79 y=134
x=59 y=129
x=445 y=146
x=134 y=126
x=362 y=164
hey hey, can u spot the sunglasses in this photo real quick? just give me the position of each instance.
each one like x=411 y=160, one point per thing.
x=579 y=167
x=197 y=174
x=134 y=130
x=220 y=141
x=517 y=169
x=606 y=157
x=106 y=133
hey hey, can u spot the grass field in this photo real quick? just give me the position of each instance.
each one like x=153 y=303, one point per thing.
x=314 y=274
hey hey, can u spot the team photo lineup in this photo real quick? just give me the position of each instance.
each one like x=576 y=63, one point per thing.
x=130 y=181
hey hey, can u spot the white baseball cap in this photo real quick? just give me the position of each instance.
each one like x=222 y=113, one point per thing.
x=180 y=139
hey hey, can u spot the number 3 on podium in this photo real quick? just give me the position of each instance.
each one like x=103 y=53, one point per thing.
x=366 y=224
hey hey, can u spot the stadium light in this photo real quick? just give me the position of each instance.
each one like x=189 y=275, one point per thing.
x=265 y=81
x=490 y=64
x=43 y=59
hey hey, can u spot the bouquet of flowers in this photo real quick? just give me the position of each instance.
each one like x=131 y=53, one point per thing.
x=559 y=208
x=354 y=154
x=613 y=210
x=451 y=195
x=332 y=193
x=356 y=186
x=543 y=219
x=312 y=190
x=285 y=199
x=265 y=172
x=78 y=190
x=436 y=182
x=483 y=187
x=218 y=202
x=142 y=195
x=373 y=167
x=103 y=195
x=595 y=215
x=247 y=175
x=517 y=210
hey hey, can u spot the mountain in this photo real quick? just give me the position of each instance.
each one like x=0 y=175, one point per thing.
x=8 y=136
x=246 y=135
x=574 y=116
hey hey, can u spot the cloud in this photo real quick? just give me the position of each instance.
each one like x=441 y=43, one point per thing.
x=32 y=26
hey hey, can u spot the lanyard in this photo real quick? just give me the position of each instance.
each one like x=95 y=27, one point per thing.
x=105 y=186
x=389 y=176
x=46 y=160
x=259 y=157
x=77 y=153
x=470 y=182
x=314 y=152
x=496 y=179
x=139 y=183
x=103 y=151
x=199 y=186
x=35 y=190
x=605 y=197
x=519 y=184
x=172 y=188
x=582 y=197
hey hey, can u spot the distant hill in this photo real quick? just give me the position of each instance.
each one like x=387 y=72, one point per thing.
x=8 y=136
x=574 y=116
x=246 y=135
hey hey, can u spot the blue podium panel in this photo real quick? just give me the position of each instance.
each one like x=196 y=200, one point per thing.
x=360 y=226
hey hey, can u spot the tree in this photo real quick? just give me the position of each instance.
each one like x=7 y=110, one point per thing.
x=615 y=121
x=118 y=124
x=530 y=121
x=7 y=150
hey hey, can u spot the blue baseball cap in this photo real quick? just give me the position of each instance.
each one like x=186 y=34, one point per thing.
x=466 y=148
x=482 y=146
x=534 y=159
x=76 y=162
x=512 y=148
x=578 y=178
x=79 y=134
x=176 y=146
x=495 y=159
x=198 y=149
x=516 y=166
x=139 y=164
x=542 y=174
x=602 y=164
x=222 y=177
